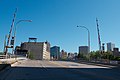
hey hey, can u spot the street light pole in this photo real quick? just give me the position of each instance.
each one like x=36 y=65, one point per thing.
x=88 y=35
x=16 y=29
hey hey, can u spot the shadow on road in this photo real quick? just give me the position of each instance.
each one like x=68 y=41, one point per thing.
x=3 y=66
x=52 y=73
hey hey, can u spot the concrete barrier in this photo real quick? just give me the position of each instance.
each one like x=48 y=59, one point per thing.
x=8 y=61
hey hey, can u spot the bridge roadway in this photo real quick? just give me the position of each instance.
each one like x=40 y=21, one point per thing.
x=58 y=70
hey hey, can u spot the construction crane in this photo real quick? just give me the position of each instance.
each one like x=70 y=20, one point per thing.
x=5 y=43
x=8 y=45
x=99 y=41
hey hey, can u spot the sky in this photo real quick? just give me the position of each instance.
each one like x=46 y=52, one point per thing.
x=55 y=21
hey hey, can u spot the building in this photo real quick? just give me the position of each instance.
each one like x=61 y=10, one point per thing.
x=110 y=46
x=39 y=50
x=55 y=52
x=76 y=54
x=116 y=52
x=71 y=56
x=63 y=54
x=20 y=52
x=84 y=50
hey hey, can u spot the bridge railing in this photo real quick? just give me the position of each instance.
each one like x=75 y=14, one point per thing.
x=4 y=56
x=7 y=59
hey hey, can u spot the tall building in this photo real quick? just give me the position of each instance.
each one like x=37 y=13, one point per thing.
x=110 y=46
x=55 y=52
x=84 y=50
x=63 y=54
x=39 y=50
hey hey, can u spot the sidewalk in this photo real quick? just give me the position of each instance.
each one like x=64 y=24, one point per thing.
x=97 y=63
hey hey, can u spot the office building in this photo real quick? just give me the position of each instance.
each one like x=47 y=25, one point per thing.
x=84 y=50
x=116 y=52
x=55 y=52
x=110 y=46
x=63 y=54
x=39 y=50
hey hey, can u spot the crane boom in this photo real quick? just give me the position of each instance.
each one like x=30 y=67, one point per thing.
x=99 y=41
x=9 y=35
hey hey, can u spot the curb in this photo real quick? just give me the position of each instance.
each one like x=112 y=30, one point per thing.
x=98 y=64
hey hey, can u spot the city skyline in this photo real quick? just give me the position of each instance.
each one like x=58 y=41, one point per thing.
x=56 y=21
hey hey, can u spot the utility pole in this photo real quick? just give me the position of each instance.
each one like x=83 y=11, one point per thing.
x=99 y=41
x=9 y=35
x=15 y=28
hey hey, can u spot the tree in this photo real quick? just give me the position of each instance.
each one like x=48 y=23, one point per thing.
x=107 y=55
x=92 y=55
x=95 y=55
x=81 y=56
x=30 y=55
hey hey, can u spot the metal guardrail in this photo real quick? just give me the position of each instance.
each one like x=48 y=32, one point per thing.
x=10 y=56
x=3 y=56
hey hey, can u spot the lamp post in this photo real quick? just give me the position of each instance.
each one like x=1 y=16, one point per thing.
x=16 y=29
x=88 y=35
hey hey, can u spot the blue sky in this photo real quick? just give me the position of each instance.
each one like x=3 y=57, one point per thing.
x=56 y=21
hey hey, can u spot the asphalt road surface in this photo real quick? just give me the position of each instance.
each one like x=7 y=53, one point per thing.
x=59 y=70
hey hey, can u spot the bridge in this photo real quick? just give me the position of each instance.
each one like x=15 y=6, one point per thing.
x=25 y=69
